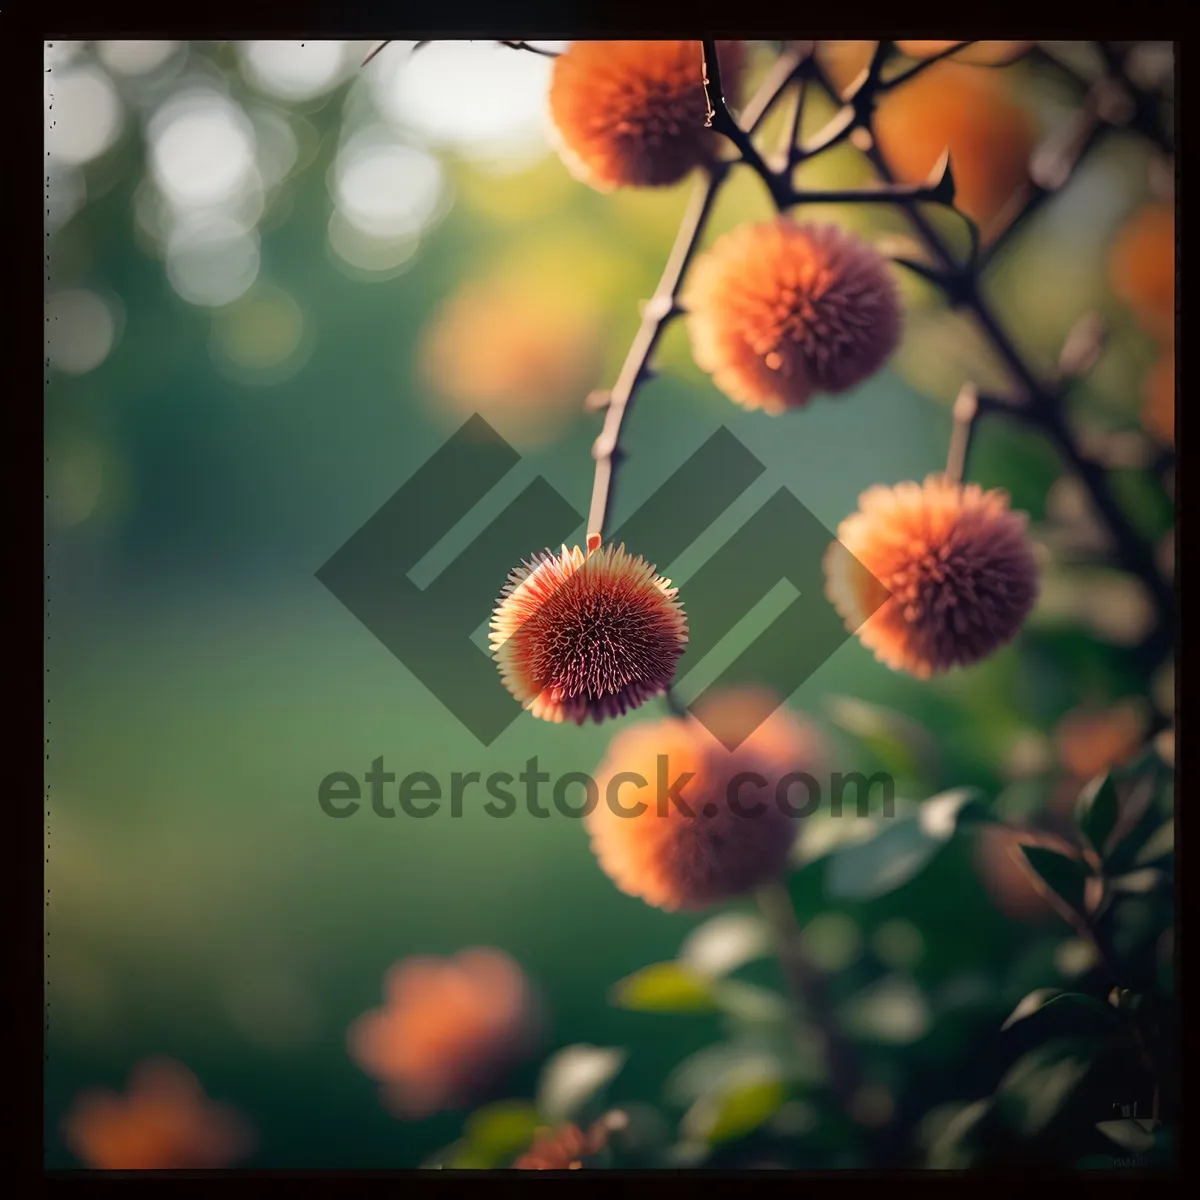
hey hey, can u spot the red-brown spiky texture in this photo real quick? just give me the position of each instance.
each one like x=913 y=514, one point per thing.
x=957 y=562
x=164 y=1122
x=779 y=311
x=690 y=860
x=565 y=1148
x=447 y=1029
x=632 y=114
x=587 y=635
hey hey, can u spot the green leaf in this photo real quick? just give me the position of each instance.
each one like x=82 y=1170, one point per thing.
x=1074 y=1007
x=1066 y=877
x=1160 y=843
x=573 y=1077
x=943 y=815
x=955 y=1146
x=724 y=943
x=502 y=1130
x=721 y=1117
x=868 y=869
x=1036 y=1088
x=665 y=987
x=1132 y=1134
x=1097 y=810
x=749 y=1003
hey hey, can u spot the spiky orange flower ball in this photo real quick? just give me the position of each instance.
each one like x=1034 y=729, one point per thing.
x=1158 y=397
x=950 y=574
x=632 y=114
x=707 y=851
x=447 y=1030
x=164 y=1122
x=1142 y=267
x=973 y=113
x=983 y=54
x=587 y=635
x=779 y=311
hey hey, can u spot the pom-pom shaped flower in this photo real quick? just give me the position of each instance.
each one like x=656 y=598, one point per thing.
x=580 y=635
x=780 y=311
x=1142 y=267
x=447 y=1031
x=972 y=112
x=702 y=836
x=565 y=1148
x=950 y=574
x=164 y=1122
x=633 y=114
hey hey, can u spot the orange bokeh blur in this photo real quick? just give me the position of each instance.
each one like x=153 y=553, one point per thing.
x=164 y=1122
x=447 y=1031
x=1142 y=267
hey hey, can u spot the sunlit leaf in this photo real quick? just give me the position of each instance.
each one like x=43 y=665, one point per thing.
x=721 y=1117
x=941 y=816
x=724 y=943
x=954 y=1148
x=503 y=1129
x=1073 y=1007
x=901 y=745
x=1132 y=1134
x=1066 y=877
x=1097 y=811
x=750 y=1003
x=665 y=987
x=892 y=1011
x=1036 y=1088
x=871 y=868
x=573 y=1077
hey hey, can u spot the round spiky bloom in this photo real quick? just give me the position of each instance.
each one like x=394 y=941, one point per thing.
x=565 y=1148
x=447 y=1031
x=708 y=847
x=587 y=635
x=164 y=1122
x=632 y=114
x=780 y=311
x=982 y=54
x=1142 y=267
x=950 y=574
x=1158 y=397
x=972 y=112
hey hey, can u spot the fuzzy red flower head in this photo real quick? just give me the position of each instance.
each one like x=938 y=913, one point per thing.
x=587 y=635
x=712 y=837
x=633 y=114
x=164 y=1122
x=780 y=311
x=950 y=574
x=447 y=1031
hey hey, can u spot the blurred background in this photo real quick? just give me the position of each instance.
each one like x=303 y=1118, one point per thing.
x=277 y=281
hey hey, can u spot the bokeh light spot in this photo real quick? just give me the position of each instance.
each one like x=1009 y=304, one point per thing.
x=80 y=330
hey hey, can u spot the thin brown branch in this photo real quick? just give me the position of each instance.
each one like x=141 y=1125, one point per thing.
x=656 y=314
x=966 y=413
x=530 y=49
x=924 y=65
x=808 y=989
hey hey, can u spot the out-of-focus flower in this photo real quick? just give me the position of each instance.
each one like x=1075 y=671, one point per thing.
x=1006 y=878
x=1158 y=397
x=950 y=574
x=983 y=54
x=164 y=1122
x=565 y=1148
x=581 y=635
x=447 y=1031
x=633 y=113
x=1090 y=740
x=1142 y=267
x=512 y=351
x=972 y=112
x=779 y=311
x=720 y=840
